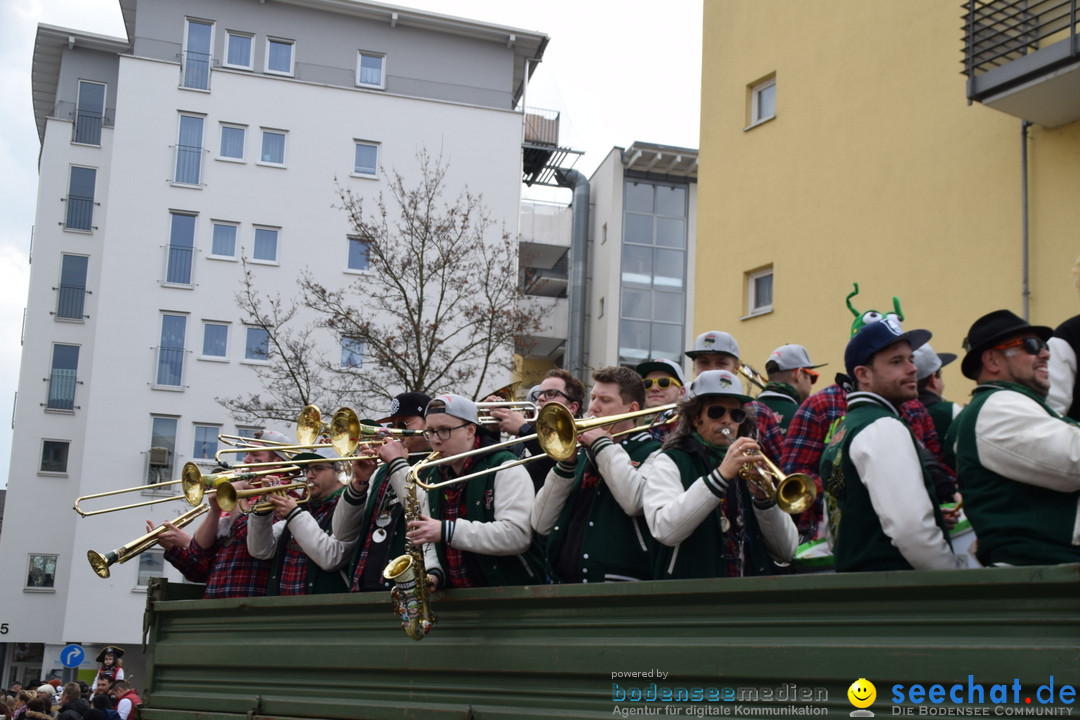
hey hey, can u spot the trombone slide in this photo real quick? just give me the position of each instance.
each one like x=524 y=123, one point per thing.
x=101 y=563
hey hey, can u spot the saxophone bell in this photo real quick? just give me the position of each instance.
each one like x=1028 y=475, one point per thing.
x=405 y=596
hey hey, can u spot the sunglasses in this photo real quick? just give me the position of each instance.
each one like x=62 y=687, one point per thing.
x=716 y=412
x=812 y=374
x=1030 y=344
x=663 y=383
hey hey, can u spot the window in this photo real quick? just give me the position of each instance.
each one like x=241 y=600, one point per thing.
x=257 y=346
x=54 y=456
x=366 y=159
x=215 y=339
x=181 y=248
x=352 y=352
x=223 y=243
x=370 y=70
x=238 y=50
x=80 y=199
x=89 y=112
x=162 y=449
x=266 y=241
x=151 y=565
x=759 y=291
x=232 y=142
x=358 y=253
x=247 y=431
x=189 y=150
x=62 y=378
x=763 y=101
x=41 y=571
x=197 y=44
x=72 y=291
x=273 y=147
x=279 y=56
x=170 y=366
x=206 y=442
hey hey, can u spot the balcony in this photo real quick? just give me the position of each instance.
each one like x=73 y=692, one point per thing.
x=552 y=334
x=1021 y=57
x=544 y=270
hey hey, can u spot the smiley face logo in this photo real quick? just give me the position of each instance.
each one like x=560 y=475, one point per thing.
x=862 y=693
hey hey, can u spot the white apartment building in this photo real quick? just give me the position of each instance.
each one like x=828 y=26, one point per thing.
x=218 y=129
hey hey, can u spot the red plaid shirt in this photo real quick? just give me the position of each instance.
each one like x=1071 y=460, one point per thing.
x=227 y=568
x=294 y=565
x=805 y=441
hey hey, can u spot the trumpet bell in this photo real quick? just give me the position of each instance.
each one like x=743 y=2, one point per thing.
x=796 y=493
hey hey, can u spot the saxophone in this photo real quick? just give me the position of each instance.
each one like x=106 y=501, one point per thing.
x=409 y=596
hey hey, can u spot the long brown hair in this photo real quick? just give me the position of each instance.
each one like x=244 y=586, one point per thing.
x=690 y=410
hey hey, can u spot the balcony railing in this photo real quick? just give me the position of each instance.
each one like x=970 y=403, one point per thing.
x=170 y=367
x=178 y=265
x=88 y=127
x=196 y=71
x=80 y=213
x=70 y=301
x=61 y=390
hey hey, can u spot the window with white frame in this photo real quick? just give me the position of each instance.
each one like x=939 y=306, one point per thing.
x=358 y=253
x=189 y=149
x=206 y=441
x=181 y=249
x=232 y=141
x=352 y=352
x=151 y=565
x=366 y=159
x=273 y=147
x=257 y=345
x=41 y=571
x=170 y=366
x=63 y=377
x=215 y=339
x=71 y=295
x=89 y=113
x=80 y=199
x=279 y=56
x=371 y=70
x=54 y=456
x=759 y=286
x=223 y=239
x=266 y=244
x=763 y=101
x=198 y=41
x=238 y=50
x=162 y=449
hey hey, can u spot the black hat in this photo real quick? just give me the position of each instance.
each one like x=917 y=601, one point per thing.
x=118 y=652
x=990 y=330
x=405 y=405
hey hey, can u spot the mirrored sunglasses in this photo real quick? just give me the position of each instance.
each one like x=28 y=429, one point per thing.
x=1030 y=344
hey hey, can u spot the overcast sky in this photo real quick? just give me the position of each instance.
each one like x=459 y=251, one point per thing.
x=617 y=70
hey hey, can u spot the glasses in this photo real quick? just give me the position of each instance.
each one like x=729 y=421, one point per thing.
x=1030 y=344
x=443 y=433
x=716 y=412
x=316 y=469
x=551 y=394
x=812 y=374
x=663 y=383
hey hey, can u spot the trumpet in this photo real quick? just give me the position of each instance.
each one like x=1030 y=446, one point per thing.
x=794 y=493
x=228 y=497
x=101 y=563
x=528 y=409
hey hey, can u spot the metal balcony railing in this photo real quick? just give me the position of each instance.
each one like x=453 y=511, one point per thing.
x=178 y=264
x=196 y=71
x=170 y=366
x=61 y=390
x=70 y=301
x=88 y=127
x=80 y=213
x=998 y=32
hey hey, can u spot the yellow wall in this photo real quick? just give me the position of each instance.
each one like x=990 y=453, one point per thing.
x=874 y=170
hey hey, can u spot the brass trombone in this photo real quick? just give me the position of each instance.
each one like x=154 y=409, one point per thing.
x=101 y=563
x=794 y=493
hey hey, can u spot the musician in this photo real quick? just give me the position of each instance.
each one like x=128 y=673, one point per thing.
x=590 y=507
x=558 y=385
x=370 y=510
x=791 y=380
x=928 y=365
x=297 y=538
x=711 y=521
x=883 y=513
x=664 y=385
x=1018 y=459
x=480 y=527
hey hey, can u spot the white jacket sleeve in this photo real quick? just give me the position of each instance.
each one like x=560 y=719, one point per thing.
x=625 y=480
x=1062 y=375
x=348 y=514
x=779 y=532
x=510 y=532
x=888 y=465
x=323 y=549
x=1017 y=438
x=671 y=512
x=262 y=536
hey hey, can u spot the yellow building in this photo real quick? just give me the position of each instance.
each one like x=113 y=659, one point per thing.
x=838 y=145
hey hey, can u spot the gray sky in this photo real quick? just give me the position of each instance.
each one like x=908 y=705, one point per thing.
x=618 y=71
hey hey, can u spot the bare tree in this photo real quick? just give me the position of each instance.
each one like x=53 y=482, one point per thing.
x=439 y=310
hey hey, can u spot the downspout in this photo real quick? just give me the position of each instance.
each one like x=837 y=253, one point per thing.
x=1025 y=280
x=574 y=358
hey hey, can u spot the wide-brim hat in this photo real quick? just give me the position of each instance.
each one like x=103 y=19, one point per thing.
x=406 y=405
x=118 y=652
x=714 y=341
x=874 y=337
x=990 y=330
x=718 y=382
x=661 y=365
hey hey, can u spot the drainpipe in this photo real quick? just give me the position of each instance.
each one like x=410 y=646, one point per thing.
x=1026 y=288
x=574 y=359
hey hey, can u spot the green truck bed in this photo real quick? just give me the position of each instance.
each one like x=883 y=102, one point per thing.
x=750 y=647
